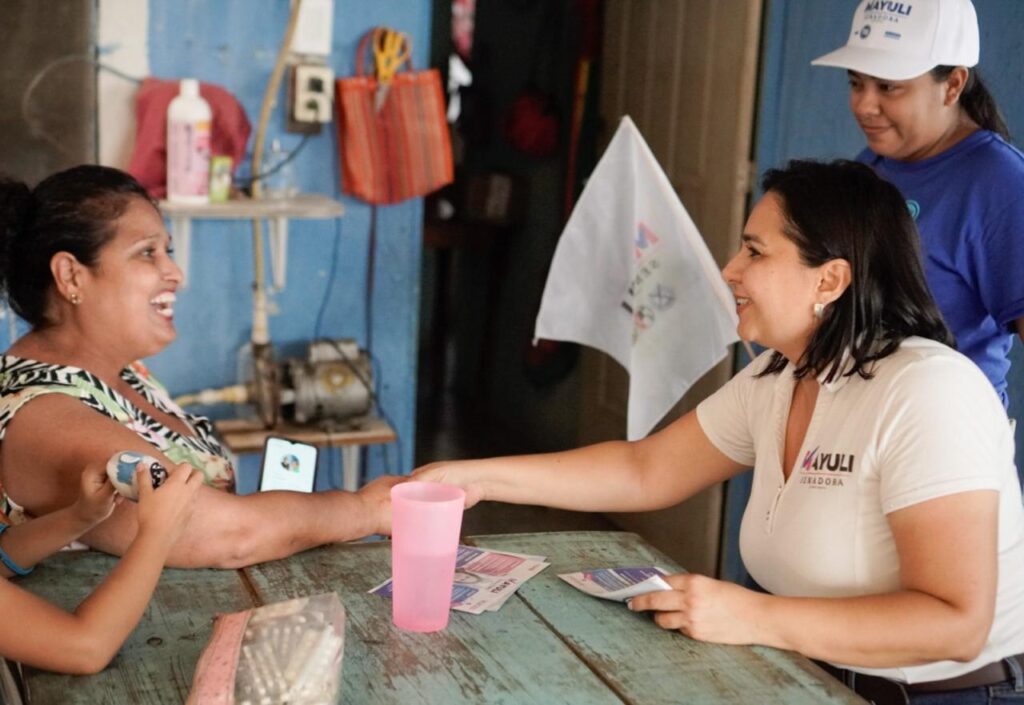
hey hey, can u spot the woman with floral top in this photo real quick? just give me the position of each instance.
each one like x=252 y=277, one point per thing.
x=85 y=259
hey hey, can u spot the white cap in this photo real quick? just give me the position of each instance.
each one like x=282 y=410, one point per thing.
x=188 y=87
x=897 y=41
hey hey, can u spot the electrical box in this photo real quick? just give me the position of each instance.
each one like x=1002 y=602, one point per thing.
x=312 y=97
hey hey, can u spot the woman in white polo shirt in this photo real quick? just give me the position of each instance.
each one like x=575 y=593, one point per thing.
x=885 y=519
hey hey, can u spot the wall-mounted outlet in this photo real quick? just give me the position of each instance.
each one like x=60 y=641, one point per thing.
x=312 y=97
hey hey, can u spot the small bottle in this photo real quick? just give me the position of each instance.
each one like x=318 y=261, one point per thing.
x=188 y=145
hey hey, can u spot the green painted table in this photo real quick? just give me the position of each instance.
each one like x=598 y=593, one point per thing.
x=548 y=644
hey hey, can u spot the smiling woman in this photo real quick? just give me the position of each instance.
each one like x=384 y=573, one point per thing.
x=934 y=130
x=775 y=292
x=885 y=519
x=86 y=261
x=96 y=283
x=135 y=264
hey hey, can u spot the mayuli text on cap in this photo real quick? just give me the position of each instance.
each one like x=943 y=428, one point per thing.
x=896 y=41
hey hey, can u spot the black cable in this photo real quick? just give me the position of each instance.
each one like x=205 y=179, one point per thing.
x=371 y=256
x=246 y=182
x=330 y=279
x=375 y=367
x=367 y=323
x=374 y=400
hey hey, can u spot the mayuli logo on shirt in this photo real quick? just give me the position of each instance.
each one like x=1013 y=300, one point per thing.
x=825 y=469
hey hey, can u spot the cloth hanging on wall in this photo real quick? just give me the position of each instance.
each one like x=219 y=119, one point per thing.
x=631 y=276
x=229 y=133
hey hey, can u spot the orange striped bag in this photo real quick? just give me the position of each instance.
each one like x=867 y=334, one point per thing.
x=404 y=149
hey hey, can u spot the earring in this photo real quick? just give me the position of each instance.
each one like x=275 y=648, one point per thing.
x=75 y=298
x=819 y=310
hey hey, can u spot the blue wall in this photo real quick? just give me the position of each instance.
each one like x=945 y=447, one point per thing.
x=234 y=43
x=803 y=112
x=803 y=109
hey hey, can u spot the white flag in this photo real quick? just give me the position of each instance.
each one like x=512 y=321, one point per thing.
x=631 y=276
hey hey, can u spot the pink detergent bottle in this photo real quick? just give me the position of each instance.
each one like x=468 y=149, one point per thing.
x=189 y=120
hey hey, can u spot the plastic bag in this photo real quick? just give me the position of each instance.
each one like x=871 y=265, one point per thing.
x=286 y=652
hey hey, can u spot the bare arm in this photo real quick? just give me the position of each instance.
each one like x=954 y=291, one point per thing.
x=54 y=436
x=943 y=608
x=90 y=636
x=653 y=473
x=28 y=543
x=230 y=531
x=1020 y=328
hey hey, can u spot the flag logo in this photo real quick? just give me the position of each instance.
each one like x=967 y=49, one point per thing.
x=645 y=240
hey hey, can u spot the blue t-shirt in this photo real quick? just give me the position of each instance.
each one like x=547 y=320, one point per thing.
x=968 y=203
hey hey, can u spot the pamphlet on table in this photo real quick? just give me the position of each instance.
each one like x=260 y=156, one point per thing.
x=484 y=579
x=619 y=584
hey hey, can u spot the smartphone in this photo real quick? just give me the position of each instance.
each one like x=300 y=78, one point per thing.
x=288 y=465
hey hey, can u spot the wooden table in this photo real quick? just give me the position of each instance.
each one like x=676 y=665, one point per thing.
x=548 y=644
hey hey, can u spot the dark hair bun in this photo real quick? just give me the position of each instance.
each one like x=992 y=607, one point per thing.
x=15 y=211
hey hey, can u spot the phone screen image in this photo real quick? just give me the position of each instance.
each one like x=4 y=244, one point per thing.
x=288 y=465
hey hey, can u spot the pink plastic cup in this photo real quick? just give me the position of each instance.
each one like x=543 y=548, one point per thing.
x=425 y=522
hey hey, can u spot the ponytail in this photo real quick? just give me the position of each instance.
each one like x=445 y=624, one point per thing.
x=977 y=102
x=15 y=215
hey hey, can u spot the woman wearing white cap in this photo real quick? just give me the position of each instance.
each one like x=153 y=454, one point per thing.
x=935 y=132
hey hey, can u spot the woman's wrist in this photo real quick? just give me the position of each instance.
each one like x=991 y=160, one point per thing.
x=480 y=479
x=79 y=522
x=81 y=519
x=153 y=539
x=762 y=620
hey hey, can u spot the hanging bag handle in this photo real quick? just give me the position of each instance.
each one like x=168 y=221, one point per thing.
x=382 y=41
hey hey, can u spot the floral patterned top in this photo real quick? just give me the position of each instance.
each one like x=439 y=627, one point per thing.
x=22 y=380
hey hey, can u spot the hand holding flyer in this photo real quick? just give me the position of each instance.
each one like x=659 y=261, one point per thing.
x=618 y=584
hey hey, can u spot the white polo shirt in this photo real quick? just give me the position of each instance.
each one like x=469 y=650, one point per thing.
x=928 y=424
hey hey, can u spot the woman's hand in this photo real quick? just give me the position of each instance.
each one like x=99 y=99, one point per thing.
x=96 y=496
x=376 y=497
x=705 y=609
x=165 y=511
x=452 y=473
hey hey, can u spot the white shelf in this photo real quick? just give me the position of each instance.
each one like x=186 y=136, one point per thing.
x=304 y=205
x=277 y=211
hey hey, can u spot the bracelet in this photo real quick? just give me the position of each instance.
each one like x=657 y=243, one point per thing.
x=8 y=561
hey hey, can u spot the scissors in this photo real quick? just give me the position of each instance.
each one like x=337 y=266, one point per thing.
x=390 y=52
